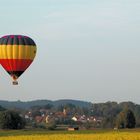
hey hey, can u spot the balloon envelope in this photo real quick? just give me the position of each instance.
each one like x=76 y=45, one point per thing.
x=17 y=52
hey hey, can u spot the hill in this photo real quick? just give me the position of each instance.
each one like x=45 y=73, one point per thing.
x=28 y=104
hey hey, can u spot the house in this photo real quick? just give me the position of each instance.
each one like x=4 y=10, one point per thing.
x=59 y=114
x=28 y=116
x=74 y=119
x=38 y=119
x=73 y=128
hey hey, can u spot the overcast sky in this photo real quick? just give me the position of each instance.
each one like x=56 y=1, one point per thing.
x=86 y=49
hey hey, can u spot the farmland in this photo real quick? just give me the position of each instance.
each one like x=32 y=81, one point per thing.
x=70 y=135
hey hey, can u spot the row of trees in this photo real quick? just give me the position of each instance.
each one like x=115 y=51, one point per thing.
x=12 y=120
x=112 y=115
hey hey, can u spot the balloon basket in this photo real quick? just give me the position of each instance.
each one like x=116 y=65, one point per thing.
x=15 y=82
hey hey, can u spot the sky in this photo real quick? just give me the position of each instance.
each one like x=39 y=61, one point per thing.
x=86 y=49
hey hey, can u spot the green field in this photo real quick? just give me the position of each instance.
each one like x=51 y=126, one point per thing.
x=46 y=132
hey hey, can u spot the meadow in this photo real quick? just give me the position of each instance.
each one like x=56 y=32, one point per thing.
x=67 y=135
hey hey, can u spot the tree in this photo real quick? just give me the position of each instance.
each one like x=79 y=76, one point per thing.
x=87 y=125
x=11 y=120
x=120 y=121
x=137 y=115
x=126 y=119
x=48 y=106
x=130 y=119
x=2 y=109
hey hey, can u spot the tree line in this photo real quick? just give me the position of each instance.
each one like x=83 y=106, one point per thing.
x=117 y=114
x=112 y=114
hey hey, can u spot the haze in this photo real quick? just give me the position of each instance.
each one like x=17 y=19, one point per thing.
x=87 y=49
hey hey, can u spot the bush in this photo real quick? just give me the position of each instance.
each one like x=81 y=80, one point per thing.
x=11 y=120
x=41 y=125
x=51 y=126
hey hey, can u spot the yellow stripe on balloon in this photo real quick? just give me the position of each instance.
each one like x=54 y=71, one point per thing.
x=17 y=52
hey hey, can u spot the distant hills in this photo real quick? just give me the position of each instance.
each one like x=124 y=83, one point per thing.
x=28 y=104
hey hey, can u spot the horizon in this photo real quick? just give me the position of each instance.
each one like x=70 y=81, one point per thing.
x=65 y=100
x=86 y=50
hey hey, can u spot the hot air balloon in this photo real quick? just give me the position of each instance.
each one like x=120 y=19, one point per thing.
x=17 y=52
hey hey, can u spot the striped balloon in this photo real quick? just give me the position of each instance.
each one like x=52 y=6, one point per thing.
x=16 y=54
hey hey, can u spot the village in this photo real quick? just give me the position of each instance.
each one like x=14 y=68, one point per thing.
x=67 y=119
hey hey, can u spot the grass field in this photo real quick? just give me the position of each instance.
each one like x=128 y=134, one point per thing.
x=75 y=135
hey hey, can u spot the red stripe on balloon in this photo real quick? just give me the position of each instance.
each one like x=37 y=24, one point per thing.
x=15 y=64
